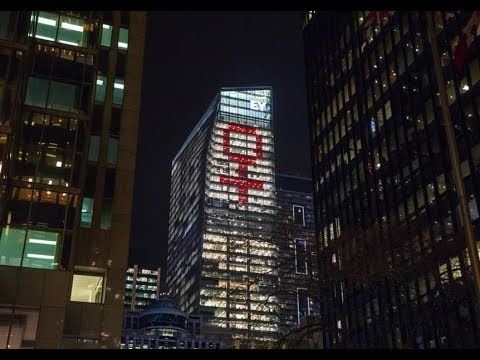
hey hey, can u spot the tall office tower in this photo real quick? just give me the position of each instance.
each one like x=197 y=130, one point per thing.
x=69 y=92
x=141 y=288
x=221 y=258
x=295 y=234
x=394 y=267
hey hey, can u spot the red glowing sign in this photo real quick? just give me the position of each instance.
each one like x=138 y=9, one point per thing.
x=243 y=161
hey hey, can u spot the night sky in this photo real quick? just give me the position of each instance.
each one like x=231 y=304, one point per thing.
x=189 y=56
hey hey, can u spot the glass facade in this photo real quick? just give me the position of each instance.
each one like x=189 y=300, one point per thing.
x=223 y=232
x=57 y=174
x=389 y=229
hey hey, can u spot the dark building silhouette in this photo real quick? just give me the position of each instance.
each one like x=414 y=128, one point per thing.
x=394 y=270
x=295 y=234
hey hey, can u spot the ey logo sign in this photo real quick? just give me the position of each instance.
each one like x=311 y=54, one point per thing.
x=258 y=104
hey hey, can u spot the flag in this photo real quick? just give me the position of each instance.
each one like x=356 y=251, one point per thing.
x=379 y=16
x=467 y=35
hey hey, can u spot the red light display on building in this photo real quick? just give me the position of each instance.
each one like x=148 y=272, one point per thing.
x=241 y=180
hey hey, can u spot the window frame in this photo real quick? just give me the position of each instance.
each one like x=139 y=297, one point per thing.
x=303 y=214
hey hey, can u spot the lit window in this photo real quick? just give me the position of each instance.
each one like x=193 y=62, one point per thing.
x=106 y=35
x=11 y=246
x=100 y=87
x=66 y=29
x=40 y=249
x=123 y=39
x=87 y=287
x=71 y=31
x=87 y=213
x=118 y=87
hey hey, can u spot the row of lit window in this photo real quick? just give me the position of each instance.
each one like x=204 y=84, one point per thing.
x=423 y=195
x=267 y=180
x=223 y=164
x=215 y=238
x=258 y=130
x=105 y=215
x=393 y=143
x=475 y=74
x=219 y=131
x=235 y=169
x=247 y=94
x=72 y=31
x=220 y=156
x=232 y=189
x=257 y=300
x=237 y=145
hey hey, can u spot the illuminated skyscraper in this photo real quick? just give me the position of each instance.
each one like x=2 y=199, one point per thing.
x=70 y=85
x=222 y=263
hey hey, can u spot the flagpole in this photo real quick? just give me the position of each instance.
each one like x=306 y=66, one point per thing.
x=456 y=168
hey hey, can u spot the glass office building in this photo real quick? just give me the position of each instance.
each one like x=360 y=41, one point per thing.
x=142 y=287
x=393 y=263
x=69 y=94
x=222 y=262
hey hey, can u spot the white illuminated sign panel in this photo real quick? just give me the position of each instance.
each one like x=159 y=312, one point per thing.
x=258 y=104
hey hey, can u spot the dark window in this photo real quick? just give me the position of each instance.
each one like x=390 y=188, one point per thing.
x=7 y=18
x=125 y=18
x=37 y=92
x=106 y=215
x=298 y=215
x=103 y=61
x=121 y=65
x=90 y=180
x=62 y=96
x=97 y=119
x=109 y=183
x=115 y=121
x=94 y=148
x=303 y=306
x=107 y=17
x=300 y=256
x=3 y=64
x=112 y=151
